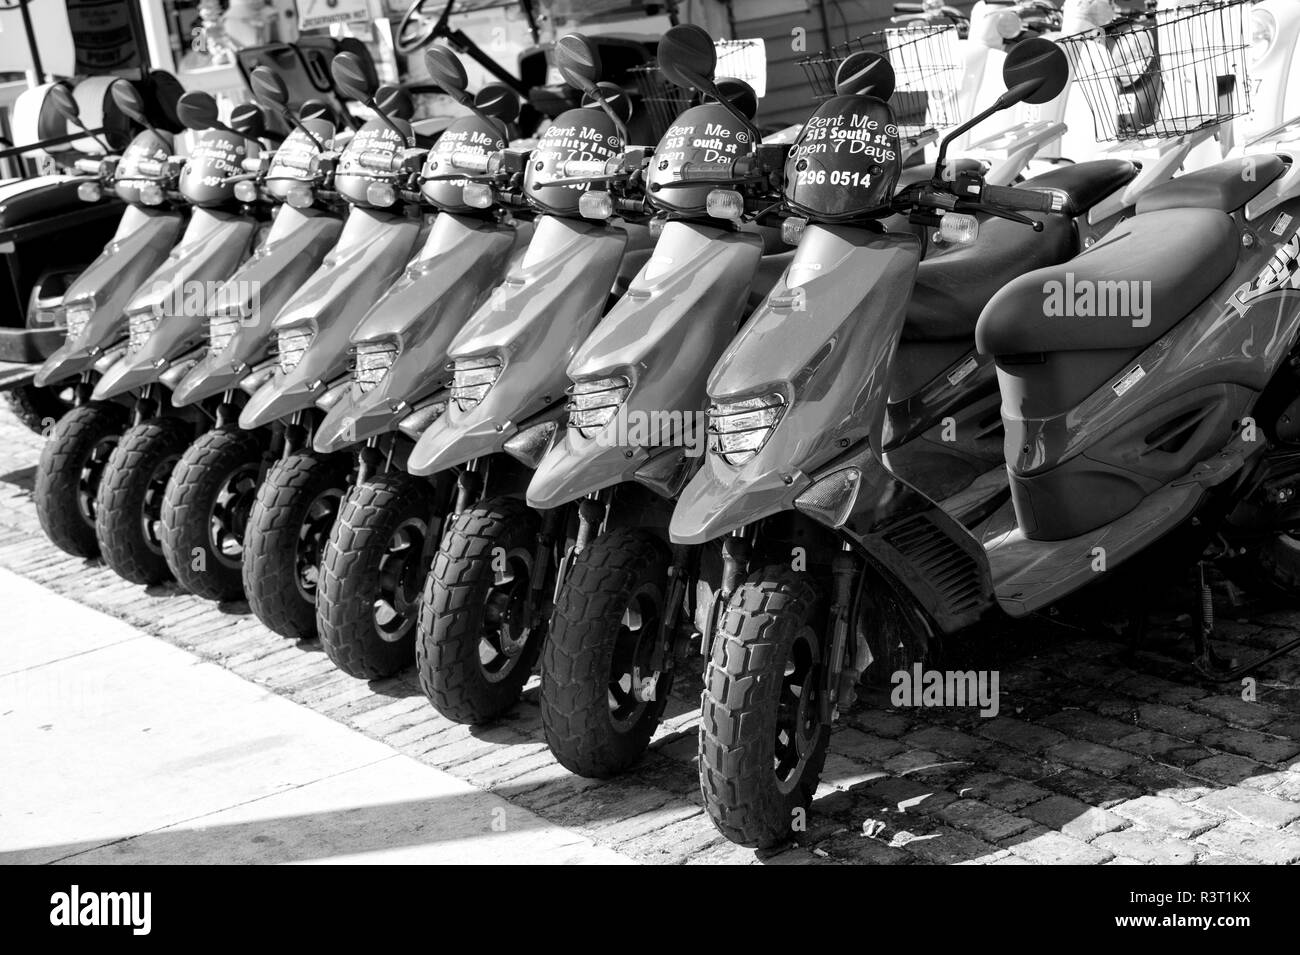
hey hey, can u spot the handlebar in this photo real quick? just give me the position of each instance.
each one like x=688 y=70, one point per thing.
x=89 y=166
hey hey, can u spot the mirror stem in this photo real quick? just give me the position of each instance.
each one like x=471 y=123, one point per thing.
x=388 y=121
x=297 y=123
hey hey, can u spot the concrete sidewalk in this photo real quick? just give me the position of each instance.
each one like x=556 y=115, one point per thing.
x=117 y=747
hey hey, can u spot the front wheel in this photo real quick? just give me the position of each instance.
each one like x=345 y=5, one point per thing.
x=291 y=520
x=372 y=572
x=128 y=511
x=602 y=696
x=762 y=739
x=67 y=478
x=205 y=512
x=479 y=630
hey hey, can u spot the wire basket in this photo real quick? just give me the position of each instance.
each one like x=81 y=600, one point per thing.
x=927 y=72
x=662 y=102
x=1165 y=73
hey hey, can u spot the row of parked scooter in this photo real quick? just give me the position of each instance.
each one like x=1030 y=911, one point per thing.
x=604 y=405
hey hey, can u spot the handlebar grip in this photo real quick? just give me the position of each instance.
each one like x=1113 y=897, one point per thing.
x=909 y=8
x=688 y=171
x=582 y=168
x=88 y=166
x=475 y=162
x=1023 y=200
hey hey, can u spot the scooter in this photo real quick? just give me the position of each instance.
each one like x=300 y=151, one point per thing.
x=79 y=445
x=208 y=497
x=625 y=603
x=166 y=326
x=1120 y=429
x=488 y=595
x=620 y=441
x=299 y=499
x=380 y=548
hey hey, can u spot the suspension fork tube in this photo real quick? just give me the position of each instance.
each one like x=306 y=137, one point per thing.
x=592 y=514
x=664 y=657
x=468 y=484
x=844 y=571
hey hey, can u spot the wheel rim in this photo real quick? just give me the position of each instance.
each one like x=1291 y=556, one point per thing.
x=798 y=724
x=632 y=683
x=155 y=490
x=507 y=617
x=402 y=569
x=228 y=519
x=312 y=535
x=90 y=474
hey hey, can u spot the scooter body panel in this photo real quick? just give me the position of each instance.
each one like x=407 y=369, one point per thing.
x=462 y=261
x=813 y=332
x=533 y=324
x=143 y=239
x=664 y=335
x=214 y=244
x=372 y=250
x=248 y=303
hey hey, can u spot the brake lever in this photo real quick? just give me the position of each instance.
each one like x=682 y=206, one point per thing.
x=688 y=183
x=1000 y=213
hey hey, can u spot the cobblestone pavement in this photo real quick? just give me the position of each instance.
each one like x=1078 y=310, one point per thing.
x=1100 y=754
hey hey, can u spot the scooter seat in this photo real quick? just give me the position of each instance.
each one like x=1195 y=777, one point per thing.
x=954 y=283
x=1226 y=186
x=1084 y=184
x=1118 y=296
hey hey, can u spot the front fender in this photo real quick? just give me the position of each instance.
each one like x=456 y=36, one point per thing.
x=824 y=339
x=534 y=321
x=137 y=249
x=664 y=335
x=212 y=248
x=372 y=250
x=462 y=260
x=293 y=249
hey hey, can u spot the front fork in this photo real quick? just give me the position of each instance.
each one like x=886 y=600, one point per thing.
x=838 y=684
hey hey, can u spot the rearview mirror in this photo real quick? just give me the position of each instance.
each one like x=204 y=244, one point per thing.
x=498 y=101
x=268 y=88
x=248 y=120
x=64 y=102
x=353 y=78
x=198 y=110
x=127 y=99
x=316 y=109
x=864 y=73
x=1036 y=71
x=394 y=101
x=739 y=94
x=578 y=60
x=446 y=71
x=687 y=58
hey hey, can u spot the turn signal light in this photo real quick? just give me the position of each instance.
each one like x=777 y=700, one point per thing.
x=89 y=192
x=151 y=194
x=725 y=204
x=246 y=191
x=595 y=205
x=959 y=228
x=792 y=230
x=299 y=196
x=477 y=195
x=381 y=194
